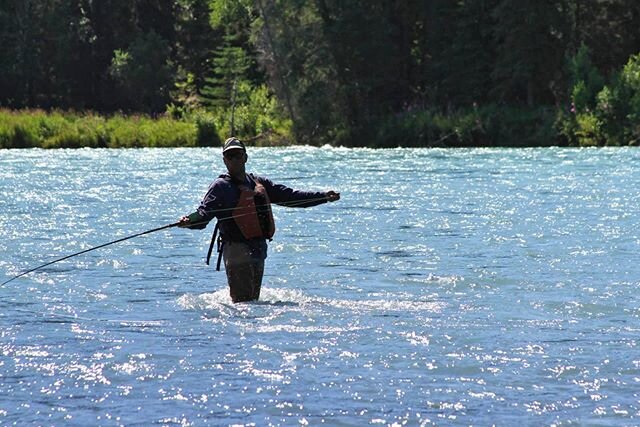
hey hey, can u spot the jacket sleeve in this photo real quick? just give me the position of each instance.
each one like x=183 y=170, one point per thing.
x=285 y=196
x=210 y=207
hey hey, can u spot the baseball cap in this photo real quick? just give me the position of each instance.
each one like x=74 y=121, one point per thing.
x=233 y=144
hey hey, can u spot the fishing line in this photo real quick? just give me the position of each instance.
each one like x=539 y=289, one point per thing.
x=292 y=204
x=73 y=318
x=175 y=224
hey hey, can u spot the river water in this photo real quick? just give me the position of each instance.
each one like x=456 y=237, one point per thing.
x=446 y=287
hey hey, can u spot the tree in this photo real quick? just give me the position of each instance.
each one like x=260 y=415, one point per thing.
x=19 y=54
x=194 y=44
x=466 y=55
x=143 y=74
x=226 y=89
x=609 y=29
x=585 y=82
x=531 y=41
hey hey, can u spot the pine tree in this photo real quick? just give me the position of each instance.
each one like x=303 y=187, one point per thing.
x=224 y=88
x=531 y=43
x=466 y=61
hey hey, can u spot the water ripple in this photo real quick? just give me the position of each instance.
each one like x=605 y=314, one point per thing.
x=447 y=287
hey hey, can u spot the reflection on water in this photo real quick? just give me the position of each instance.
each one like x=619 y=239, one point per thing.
x=446 y=287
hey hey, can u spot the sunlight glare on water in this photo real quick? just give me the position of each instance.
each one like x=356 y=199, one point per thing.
x=447 y=287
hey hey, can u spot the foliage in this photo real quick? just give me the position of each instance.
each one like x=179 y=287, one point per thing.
x=471 y=127
x=425 y=128
x=259 y=118
x=525 y=72
x=362 y=72
x=630 y=84
x=612 y=116
x=231 y=64
x=143 y=73
x=618 y=106
x=585 y=81
x=36 y=128
x=207 y=134
x=185 y=96
x=589 y=130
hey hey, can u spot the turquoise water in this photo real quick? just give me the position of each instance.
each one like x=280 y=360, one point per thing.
x=447 y=287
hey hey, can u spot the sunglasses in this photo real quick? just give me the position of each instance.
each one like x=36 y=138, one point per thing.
x=234 y=154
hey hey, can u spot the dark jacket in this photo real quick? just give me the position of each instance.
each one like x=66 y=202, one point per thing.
x=222 y=198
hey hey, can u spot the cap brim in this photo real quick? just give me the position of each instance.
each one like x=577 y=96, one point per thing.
x=235 y=147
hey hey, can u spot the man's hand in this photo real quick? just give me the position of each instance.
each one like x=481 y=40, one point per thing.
x=184 y=222
x=332 y=196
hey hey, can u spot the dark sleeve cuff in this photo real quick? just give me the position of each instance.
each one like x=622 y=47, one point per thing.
x=198 y=221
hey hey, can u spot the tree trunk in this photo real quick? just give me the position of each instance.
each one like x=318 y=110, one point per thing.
x=279 y=65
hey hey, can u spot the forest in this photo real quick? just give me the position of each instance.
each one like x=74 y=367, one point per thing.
x=358 y=73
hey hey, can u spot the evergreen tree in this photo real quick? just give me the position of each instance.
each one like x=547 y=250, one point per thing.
x=193 y=46
x=585 y=82
x=226 y=88
x=609 y=28
x=531 y=41
x=369 y=55
x=19 y=53
x=143 y=74
x=466 y=61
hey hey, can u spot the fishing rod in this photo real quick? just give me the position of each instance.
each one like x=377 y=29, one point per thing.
x=175 y=224
x=290 y=204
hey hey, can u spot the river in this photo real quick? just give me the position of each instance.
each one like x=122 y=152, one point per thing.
x=446 y=287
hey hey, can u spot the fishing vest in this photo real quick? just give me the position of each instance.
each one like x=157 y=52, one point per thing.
x=253 y=214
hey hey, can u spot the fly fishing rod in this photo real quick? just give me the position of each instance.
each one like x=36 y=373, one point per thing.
x=175 y=224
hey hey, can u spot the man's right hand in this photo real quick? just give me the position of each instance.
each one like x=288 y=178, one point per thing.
x=184 y=222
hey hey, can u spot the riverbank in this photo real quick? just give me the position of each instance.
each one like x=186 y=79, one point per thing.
x=65 y=129
x=487 y=126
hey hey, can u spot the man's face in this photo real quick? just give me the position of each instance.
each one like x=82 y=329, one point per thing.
x=235 y=161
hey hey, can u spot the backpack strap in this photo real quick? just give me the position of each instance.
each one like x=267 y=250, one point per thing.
x=220 y=246
x=213 y=240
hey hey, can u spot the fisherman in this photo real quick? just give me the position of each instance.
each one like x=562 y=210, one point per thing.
x=241 y=203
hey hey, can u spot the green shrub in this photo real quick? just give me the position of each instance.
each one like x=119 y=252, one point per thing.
x=419 y=128
x=631 y=80
x=486 y=126
x=19 y=131
x=585 y=81
x=258 y=119
x=206 y=130
x=589 y=130
x=611 y=110
x=618 y=107
x=23 y=136
x=35 y=128
x=519 y=126
x=165 y=132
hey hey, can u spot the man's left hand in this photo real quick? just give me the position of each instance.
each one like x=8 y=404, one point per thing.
x=332 y=196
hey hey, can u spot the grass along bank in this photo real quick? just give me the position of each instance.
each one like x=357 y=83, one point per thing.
x=484 y=126
x=58 y=129
x=423 y=128
x=63 y=129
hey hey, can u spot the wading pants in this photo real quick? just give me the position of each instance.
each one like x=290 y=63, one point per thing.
x=244 y=266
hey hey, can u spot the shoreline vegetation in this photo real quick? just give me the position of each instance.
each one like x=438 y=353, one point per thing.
x=360 y=73
x=67 y=129
x=480 y=127
x=35 y=128
x=601 y=112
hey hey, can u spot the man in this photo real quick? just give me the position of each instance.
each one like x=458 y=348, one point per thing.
x=241 y=203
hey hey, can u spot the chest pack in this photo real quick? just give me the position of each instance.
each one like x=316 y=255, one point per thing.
x=252 y=215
